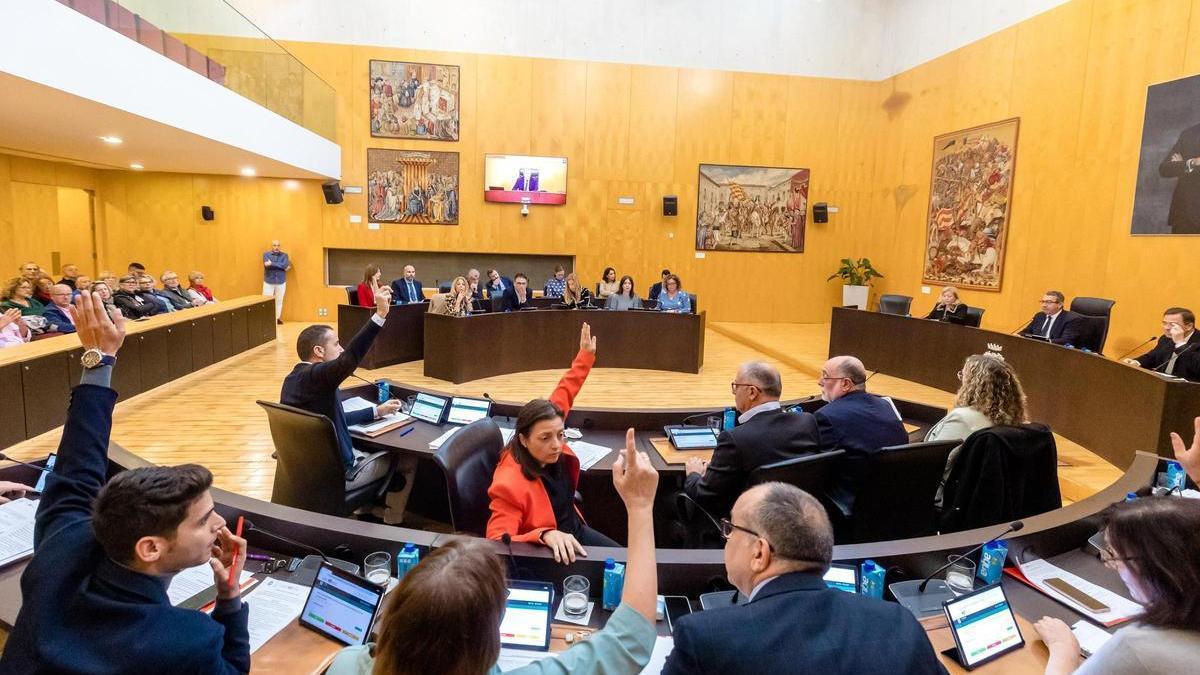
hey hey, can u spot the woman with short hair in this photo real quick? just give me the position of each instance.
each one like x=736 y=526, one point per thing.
x=949 y=308
x=625 y=298
x=197 y=289
x=18 y=294
x=673 y=299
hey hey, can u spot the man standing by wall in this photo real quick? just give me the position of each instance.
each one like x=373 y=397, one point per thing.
x=275 y=267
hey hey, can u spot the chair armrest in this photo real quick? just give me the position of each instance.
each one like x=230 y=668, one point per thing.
x=377 y=457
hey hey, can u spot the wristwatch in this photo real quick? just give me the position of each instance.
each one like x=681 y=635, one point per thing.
x=94 y=358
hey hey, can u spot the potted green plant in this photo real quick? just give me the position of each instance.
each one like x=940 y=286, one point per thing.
x=857 y=275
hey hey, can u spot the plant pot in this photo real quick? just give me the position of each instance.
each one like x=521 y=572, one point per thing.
x=855 y=295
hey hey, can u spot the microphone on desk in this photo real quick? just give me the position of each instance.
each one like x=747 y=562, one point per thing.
x=913 y=594
x=35 y=467
x=309 y=562
x=1152 y=339
x=702 y=510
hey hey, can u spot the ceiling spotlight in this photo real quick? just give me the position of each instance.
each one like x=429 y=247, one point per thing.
x=248 y=171
x=136 y=166
x=112 y=140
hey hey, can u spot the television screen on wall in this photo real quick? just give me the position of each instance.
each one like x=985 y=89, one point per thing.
x=521 y=179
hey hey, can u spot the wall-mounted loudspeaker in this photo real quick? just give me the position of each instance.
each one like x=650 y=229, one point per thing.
x=820 y=212
x=333 y=192
x=206 y=213
x=670 y=205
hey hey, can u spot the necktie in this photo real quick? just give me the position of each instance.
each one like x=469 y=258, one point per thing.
x=1049 y=322
x=412 y=292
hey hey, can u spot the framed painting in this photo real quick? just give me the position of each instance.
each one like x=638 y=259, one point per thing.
x=751 y=208
x=412 y=186
x=1167 y=196
x=970 y=201
x=414 y=100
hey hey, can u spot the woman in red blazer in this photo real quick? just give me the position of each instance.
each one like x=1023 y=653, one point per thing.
x=369 y=286
x=533 y=489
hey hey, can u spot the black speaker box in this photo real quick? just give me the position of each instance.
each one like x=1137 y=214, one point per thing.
x=206 y=213
x=333 y=192
x=820 y=212
x=670 y=205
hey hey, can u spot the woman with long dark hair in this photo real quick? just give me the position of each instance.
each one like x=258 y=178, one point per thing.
x=625 y=297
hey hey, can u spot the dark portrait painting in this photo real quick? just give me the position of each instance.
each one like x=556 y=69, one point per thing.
x=1167 y=200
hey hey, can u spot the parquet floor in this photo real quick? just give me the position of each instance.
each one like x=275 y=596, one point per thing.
x=210 y=418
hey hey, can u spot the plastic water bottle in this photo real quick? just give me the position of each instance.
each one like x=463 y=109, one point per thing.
x=1176 y=477
x=730 y=419
x=991 y=561
x=614 y=583
x=406 y=559
x=385 y=392
x=872 y=579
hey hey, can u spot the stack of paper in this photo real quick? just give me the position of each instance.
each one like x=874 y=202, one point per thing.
x=194 y=580
x=1120 y=609
x=588 y=453
x=437 y=442
x=356 y=403
x=273 y=605
x=16 y=530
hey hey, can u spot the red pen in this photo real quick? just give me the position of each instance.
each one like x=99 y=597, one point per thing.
x=233 y=564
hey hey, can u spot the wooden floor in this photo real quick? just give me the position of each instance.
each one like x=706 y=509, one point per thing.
x=210 y=418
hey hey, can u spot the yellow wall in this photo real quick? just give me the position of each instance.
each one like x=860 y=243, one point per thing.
x=44 y=208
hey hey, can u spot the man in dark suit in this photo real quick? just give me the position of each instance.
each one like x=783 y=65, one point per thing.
x=60 y=313
x=1053 y=323
x=407 y=289
x=779 y=544
x=855 y=421
x=132 y=304
x=764 y=434
x=95 y=592
x=1178 y=350
x=658 y=286
x=496 y=284
x=1183 y=163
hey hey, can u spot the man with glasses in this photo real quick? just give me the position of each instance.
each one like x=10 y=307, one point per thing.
x=131 y=303
x=176 y=294
x=779 y=544
x=764 y=434
x=1178 y=350
x=854 y=421
x=1055 y=324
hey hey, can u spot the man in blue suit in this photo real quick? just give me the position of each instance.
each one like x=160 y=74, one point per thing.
x=407 y=289
x=778 y=545
x=60 y=314
x=1053 y=323
x=95 y=592
x=496 y=284
x=854 y=421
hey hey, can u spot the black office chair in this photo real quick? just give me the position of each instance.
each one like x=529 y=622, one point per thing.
x=352 y=295
x=444 y=288
x=811 y=473
x=1100 y=308
x=309 y=473
x=1002 y=473
x=468 y=460
x=895 y=304
x=974 y=316
x=896 y=489
x=695 y=303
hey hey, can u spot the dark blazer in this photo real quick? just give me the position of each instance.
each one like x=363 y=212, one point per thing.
x=134 y=306
x=511 y=304
x=1184 y=216
x=400 y=292
x=655 y=290
x=769 y=436
x=314 y=387
x=178 y=297
x=958 y=316
x=57 y=320
x=859 y=423
x=1068 y=329
x=1187 y=364
x=795 y=624
x=487 y=287
x=1001 y=473
x=83 y=613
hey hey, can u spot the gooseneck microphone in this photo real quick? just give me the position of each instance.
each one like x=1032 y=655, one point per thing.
x=1163 y=365
x=921 y=602
x=1152 y=339
x=702 y=510
x=254 y=528
x=1014 y=526
x=25 y=464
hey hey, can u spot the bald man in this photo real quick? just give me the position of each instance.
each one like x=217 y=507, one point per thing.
x=764 y=434
x=60 y=313
x=854 y=421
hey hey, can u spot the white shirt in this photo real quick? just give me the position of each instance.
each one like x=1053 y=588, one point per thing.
x=759 y=585
x=1050 y=322
x=761 y=407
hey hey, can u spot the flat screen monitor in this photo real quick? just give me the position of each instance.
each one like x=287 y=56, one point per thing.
x=521 y=179
x=467 y=410
x=526 y=623
x=428 y=408
x=341 y=605
x=983 y=625
x=692 y=438
x=842 y=577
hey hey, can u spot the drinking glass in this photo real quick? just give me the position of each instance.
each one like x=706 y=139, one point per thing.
x=575 y=595
x=960 y=576
x=378 y=567
x=715 y=423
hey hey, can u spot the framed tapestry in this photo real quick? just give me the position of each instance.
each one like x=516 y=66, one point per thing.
x=412 y=186
x=414 y=100
x=1167 y=196
x=751 y=208
x=970 y=199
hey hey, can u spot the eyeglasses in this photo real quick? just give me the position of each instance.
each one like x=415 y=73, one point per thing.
x=1111 y=559
x=734 y=385
x=727 y=528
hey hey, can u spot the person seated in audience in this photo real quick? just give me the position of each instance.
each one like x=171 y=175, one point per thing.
x=533 y=488
x=136 y=268
x=407 y=289
x=101 y=289
x=1055 y=324
x=657 y=288
x=13 y=329
x=949 y=308
x=69 y=274
x=575 y=295
x=474 y=284
x=324 y=364
x=608 y=284
x=18 y=294
x=1178 y=349
x=673 y=299
x=764 y=434
x=1152 y=544
x=369 y=286
x=198 y=290
x=557 y=284
x=131 y=303
x=855 y=421
x=625 y=297
x=517 y=297
x=147 y=290
x=41 y=289
x=496 y=284
x=455 y=303
x=82 y=283
x=778 y=545
x=108 y=278
x=94 y=594
x=31 y=271
x=1188 y=457
x=60 y=314
x=175 y=293
x=459 y=590
x=990 y=394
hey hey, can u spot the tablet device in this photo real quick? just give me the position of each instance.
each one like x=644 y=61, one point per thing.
x=983 y=626
x=467 y=410
x=526 y=623
x=428 y=408
x=341 y=605
x=842 y=577
x=691 y=438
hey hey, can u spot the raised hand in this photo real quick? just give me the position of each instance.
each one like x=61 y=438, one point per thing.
x=98 y=327
x=383 y=301
x=586 y=342
x=634 y=476
x=1188 y=457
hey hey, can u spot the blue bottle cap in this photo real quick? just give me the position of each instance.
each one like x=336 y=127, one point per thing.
x=1173 y=464
x=868 y=565
x=1130 y=496
x=409 y=547
x=610 y=564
